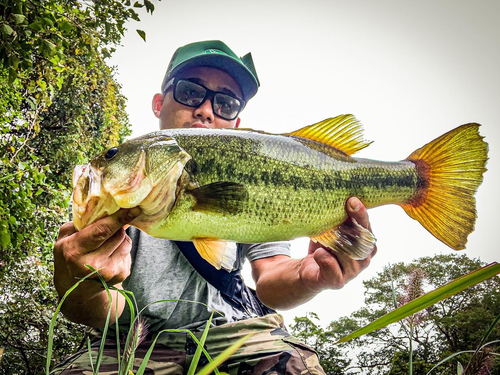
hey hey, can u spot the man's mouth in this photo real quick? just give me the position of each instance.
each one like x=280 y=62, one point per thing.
x=198 y=125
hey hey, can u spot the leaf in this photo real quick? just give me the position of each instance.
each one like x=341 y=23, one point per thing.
x=138 y=5
x=18 y=18
x=35 y=25
x=149 y=6
x=224 y=355
x=50 y=340
x=427 y=300
x=142 y=34
x=12 y=75
x=14 y=61
x=6 y=29
x=5 y=239
x=65 y=26
x=197 y=354
x=105 y=53
x=51 y=46
x=42 y=84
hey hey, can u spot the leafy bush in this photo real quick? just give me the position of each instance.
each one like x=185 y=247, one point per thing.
x=60 y=104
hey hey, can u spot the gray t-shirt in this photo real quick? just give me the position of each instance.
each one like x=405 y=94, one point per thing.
x=160 y=271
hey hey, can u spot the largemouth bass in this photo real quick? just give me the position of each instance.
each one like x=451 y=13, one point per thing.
x=217 y=186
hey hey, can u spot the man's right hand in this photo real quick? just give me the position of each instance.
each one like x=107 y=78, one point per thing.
x=102 y=245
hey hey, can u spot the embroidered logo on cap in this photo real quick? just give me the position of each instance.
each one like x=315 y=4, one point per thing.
x=214 y=51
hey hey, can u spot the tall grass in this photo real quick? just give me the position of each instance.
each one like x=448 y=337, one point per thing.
x=137 y=331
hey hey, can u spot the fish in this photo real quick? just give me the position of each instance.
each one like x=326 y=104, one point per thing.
x=218 y=187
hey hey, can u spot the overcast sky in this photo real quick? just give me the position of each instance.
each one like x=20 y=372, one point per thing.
x=409 y=71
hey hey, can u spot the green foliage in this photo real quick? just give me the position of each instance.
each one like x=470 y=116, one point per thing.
x=456 y=324
x=50 y=31
x=137 y=332
x=322 y=341
x=60 y=104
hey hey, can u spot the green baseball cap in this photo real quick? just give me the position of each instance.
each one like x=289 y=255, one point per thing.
x=215 y=54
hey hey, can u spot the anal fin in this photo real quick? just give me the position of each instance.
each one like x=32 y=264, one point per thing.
x=219 y=253
x=349 y=238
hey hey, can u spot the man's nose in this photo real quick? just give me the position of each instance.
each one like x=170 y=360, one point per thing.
x=205 y=112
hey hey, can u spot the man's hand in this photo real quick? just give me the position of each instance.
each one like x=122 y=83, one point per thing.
x=284 y=283
x=102 y=245
x=326 y=269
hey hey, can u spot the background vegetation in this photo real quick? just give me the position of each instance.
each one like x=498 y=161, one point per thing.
x=60 y=104
x=455 y=324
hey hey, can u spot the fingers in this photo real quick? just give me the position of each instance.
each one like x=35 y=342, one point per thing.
x=112 y=258
x=67 y=229
x=103 y=244
x=357 y=211
x=93 y=236
x=338 y=269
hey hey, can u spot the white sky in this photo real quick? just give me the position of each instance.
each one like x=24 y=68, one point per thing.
x=410 y=71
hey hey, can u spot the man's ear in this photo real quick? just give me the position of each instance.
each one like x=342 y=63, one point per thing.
x=238 y=120
x=157 y=103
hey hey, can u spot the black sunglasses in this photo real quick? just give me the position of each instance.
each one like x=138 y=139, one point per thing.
x=193 y=95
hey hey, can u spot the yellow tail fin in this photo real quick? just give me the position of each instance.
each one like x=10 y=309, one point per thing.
x=450 y=168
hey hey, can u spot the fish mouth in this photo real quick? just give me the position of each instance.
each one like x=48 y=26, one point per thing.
x=93 y=198
x=90 y=202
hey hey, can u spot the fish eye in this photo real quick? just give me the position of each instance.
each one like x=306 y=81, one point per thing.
x=110 y=154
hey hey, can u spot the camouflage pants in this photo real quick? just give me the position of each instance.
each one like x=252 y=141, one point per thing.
x=271 y=351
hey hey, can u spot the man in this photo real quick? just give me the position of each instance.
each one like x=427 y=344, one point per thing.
x=206 y=86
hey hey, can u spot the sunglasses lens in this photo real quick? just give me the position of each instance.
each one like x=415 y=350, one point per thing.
x=189 y=93
x=226 y=106
x=193 y=95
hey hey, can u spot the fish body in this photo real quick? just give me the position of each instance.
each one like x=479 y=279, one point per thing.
x=292 y=190
x=212 y=186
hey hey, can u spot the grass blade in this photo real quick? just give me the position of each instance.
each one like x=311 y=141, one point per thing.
x=448 y=358
x=89 y=348
x=428 y=299
x=50 y=342
x=224 y=355
x=144 y=363
x=199 y=349
x=106 y=325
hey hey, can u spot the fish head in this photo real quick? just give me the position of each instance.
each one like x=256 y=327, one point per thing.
x=133 y=174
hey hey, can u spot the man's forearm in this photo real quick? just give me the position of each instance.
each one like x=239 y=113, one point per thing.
x=286 y=291
x=89 y=303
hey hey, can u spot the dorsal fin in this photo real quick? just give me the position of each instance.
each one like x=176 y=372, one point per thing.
x=343 y=132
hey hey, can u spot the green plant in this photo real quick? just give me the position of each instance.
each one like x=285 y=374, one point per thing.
x=125 y=358
x=425 y=301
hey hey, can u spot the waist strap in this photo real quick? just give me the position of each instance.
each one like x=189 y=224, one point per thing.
x=230 y=284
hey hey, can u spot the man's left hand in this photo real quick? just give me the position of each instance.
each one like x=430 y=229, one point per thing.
x=284 y=283
x=326 y=269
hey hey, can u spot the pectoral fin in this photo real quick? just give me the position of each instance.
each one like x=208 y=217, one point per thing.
x=222 y=197
x=349 y=238
x=219 y=253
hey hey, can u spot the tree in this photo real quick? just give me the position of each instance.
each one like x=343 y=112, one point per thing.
x=331 y=358
x=455 y=324
x=60 y=105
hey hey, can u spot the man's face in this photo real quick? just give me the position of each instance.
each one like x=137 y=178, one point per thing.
x=173 y=115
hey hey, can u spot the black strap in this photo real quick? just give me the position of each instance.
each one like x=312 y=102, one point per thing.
x=230 y=284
